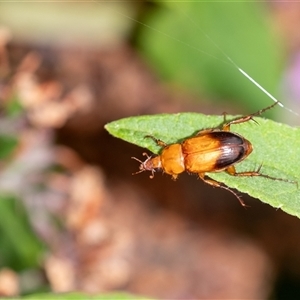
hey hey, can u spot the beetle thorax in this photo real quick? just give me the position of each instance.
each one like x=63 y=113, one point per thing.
x=172 y=160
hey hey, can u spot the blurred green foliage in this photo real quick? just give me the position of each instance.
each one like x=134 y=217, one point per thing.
x=19 y=246
x=13 y=107
x=189 y=36
x=7 y=144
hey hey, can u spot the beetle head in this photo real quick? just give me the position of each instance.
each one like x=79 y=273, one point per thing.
x=150 y=164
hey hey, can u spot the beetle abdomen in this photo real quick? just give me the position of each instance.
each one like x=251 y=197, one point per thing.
x=214 y=151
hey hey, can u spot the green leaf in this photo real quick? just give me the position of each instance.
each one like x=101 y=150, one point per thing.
x=276 y=147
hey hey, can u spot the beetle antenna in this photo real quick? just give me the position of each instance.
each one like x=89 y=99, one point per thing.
x=137 y=159
x=139 y=171
x=141 y=163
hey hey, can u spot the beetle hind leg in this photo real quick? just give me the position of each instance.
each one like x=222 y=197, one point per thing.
x=215 y=183
x=231 y=171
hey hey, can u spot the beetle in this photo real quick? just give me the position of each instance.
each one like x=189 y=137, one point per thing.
x=210 y=150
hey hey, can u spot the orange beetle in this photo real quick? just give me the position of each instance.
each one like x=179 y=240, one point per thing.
x=210 y=150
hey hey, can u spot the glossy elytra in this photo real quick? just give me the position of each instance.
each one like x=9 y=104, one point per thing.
x=210 y=150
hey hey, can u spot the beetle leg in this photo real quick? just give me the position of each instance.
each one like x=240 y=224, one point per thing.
x=224 y=117
x=174 y=176
x=218 y=184
x=226 y=127
x=231 y=170
x=157 y=141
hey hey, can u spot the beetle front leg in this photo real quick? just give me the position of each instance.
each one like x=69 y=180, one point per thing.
x=157 y=141
x=218 y=184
